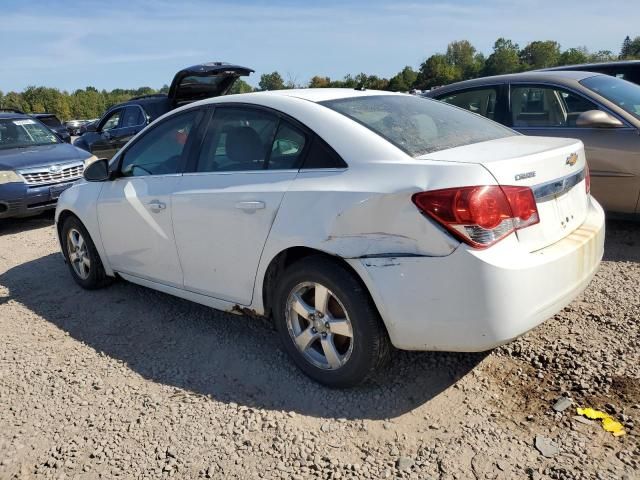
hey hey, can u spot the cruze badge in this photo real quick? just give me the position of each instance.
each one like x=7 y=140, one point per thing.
x=572 y=159
x=522 y=176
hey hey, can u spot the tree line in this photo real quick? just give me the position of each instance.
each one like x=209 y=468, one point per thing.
x=461 y=61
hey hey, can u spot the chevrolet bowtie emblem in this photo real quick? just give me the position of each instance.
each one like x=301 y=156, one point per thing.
x=572 y=159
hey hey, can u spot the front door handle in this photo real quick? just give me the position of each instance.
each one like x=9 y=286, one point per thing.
x=156 y=206
x=250 y=206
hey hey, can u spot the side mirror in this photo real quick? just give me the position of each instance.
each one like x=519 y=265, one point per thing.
x=597 y=119
x=97 y=171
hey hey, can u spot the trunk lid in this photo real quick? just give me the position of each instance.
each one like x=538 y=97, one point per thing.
x=554 y=168
x=204 y=81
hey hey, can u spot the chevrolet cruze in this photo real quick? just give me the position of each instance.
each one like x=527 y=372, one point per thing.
x=357 y=220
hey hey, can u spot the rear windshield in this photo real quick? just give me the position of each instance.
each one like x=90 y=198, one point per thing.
x=418 y=125
x=50 y=121
x=624 y=94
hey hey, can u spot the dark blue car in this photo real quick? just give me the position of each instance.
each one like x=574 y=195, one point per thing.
x=35 y=166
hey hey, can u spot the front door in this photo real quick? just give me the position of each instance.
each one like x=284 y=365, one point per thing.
x=613 y=154
x=134 y=210
x=223 y=210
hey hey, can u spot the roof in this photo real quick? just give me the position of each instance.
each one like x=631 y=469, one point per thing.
x=5 y=115
x=562 y=77
x=598 y=65
x=316 y=94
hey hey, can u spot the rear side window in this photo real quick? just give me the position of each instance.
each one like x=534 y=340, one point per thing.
x=481 y=101
x=418 y=125
x=287 y=147
x=321 y=155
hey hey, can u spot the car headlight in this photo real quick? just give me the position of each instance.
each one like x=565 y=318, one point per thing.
x=90 y=160
x=9 y=176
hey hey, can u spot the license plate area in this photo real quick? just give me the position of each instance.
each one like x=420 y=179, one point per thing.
x=56 y=190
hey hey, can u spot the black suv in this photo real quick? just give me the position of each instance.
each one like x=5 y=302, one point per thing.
x=54 y=124
x=121 y=122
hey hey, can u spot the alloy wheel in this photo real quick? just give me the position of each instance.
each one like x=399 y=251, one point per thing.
x=319 y=326
x=78 y=253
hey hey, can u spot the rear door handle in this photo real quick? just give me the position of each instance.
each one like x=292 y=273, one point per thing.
x=250 y=206
x=156 y=206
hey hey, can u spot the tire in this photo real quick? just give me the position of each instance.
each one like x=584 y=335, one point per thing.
x=88 y=274
x=327 y=353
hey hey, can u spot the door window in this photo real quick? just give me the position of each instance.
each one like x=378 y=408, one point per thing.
x=133 y=117
x=481 y=101
x=239 y=139
x=112 y=121
x=160 y=150
x=286 y=151
x=542 y=106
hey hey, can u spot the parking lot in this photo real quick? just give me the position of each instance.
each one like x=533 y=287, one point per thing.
x=133 y=383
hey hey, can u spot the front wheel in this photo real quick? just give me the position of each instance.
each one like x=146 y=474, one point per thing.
x=82 y=256
x=328 y=323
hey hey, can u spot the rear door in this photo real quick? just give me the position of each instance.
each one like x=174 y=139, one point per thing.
x=204 y=81
x=551 y=111
x=224 y=208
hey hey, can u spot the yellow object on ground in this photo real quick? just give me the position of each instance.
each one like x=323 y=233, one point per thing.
x=608 y=422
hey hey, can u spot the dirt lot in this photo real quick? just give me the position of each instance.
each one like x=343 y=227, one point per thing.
x=127 y=382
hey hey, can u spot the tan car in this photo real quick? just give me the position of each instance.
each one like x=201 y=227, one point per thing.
x=600 y=110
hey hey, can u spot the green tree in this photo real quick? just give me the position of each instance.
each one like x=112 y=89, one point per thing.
x=602 y=56
x=540 y=54
x=435 y=71
x=271 y=81
x=240 y=86
x=462 y=55
x=403 y=81
x=573 y=56
x=504 y=59
x=319 y=82
x=625 y=51
x=634 y=49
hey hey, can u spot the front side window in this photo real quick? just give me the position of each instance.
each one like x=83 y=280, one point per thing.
x=238 y=139
x=112 y=121
x=160 y=150
x=544 y=106
x=418 y=125
x=24 y=132
x=624 y=94
x=481 y=101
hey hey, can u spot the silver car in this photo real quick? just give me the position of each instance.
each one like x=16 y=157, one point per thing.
x=600 y=110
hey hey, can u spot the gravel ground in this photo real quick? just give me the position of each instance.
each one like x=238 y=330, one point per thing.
x=128 y=382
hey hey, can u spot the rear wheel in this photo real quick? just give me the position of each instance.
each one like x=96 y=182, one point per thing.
x=82 y=256
x=328 y=323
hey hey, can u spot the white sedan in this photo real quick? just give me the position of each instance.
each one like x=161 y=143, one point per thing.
x=357 y=220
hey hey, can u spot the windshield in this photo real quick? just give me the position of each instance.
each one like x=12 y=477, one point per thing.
x=418 y=125
x=23 y=132
x=624 y=94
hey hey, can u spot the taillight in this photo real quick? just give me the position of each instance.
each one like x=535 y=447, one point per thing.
x=480 y=215
x=587 y=178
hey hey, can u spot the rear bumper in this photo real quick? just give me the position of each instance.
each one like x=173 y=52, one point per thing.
x=21 y=200
x=474 y=300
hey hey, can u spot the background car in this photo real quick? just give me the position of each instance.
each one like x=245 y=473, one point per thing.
x=624 y=69
x=54 y=124
x=602 y=111
x=73 y=126
x=88 y=126
x=35 y=166
x=357 y=219
x=121 y=122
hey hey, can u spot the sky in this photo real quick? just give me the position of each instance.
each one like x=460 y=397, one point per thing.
x=131 y=43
